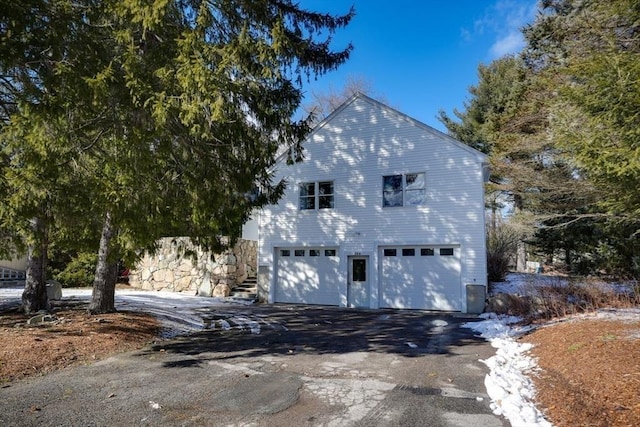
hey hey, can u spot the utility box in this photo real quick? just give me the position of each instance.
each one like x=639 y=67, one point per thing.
x=476 y=295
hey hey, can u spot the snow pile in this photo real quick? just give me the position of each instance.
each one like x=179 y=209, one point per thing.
x=507 y=384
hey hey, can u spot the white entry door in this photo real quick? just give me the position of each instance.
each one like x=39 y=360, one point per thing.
x=358 y=286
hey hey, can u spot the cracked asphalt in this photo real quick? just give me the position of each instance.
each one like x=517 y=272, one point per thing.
x=291 y=366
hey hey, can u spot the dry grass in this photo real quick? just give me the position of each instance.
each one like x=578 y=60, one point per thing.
x=558 y=297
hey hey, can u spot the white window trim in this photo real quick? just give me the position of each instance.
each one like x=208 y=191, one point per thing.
x=317 y=195
x=404 y=189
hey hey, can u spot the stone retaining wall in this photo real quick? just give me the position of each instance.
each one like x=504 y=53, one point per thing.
x=170 y=270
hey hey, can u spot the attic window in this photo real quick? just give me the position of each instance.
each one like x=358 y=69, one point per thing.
x=316 y=195
x=403 y=190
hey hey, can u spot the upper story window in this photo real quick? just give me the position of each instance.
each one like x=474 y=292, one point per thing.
x=308 y=195
x=316 y=195
x=403 y=190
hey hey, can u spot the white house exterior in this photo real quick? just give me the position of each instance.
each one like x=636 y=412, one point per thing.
x=384 y=211
x=15 y=264
x=12 y=269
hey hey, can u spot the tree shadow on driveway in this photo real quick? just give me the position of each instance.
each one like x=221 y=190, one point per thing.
x=301 y=329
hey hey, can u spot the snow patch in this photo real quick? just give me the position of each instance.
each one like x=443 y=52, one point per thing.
x=179 y=313
x=507 y=383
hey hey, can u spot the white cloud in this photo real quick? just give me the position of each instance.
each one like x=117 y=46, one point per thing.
x=503 y=22
x=507 y=44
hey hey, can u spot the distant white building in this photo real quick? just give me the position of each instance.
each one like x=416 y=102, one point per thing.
x=13 y=269
x=384 y=211
x=17 y=264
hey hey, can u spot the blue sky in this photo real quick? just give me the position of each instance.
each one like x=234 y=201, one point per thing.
x=421 y=56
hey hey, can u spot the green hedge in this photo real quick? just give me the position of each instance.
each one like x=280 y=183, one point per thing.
x=79 y=271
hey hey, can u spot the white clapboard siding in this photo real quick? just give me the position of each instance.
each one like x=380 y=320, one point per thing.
x=19 y=264
x=355 y=147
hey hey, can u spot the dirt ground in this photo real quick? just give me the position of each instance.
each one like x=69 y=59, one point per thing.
x=72 y=338
x=589 y=369
x=589 y=372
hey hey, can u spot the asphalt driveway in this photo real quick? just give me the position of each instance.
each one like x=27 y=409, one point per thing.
x=296 y=366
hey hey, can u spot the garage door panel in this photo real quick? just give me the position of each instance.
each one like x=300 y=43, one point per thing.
x=425 y=280
x=307 y=279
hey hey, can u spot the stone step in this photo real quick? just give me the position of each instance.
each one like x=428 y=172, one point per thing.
x=244 y=295
x=245 y=291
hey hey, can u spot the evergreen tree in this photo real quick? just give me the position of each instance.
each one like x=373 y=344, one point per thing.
x=592 y=49
x=33 y=145
x=507 y=117
x=170 y=114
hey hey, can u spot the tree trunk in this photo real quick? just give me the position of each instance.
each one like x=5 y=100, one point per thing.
x=521 y=257
x=34 y=296
x=104 y=283
x=567 y=258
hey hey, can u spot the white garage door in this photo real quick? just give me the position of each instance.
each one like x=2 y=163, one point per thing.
x=307 y=276
x=420 y=277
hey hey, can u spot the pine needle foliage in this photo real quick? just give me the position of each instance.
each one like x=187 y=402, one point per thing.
x=128 y=121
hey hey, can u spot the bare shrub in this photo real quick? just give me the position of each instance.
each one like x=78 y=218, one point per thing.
x=554 y=299
x=520 y=306
x=502 y=241
x=504 y=303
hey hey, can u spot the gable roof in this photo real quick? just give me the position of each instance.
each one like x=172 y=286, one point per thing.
x=402 y=116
